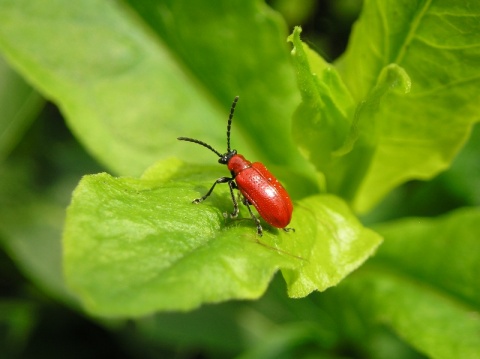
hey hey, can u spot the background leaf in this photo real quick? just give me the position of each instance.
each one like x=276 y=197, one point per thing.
x=423 y=283
x=463 y=178
x=19 y=104
x=436 y=42
x=332 y=118
x=402 y=134
x=32 y=211
x=327 y=108
x=178 y=78
x=17 y=319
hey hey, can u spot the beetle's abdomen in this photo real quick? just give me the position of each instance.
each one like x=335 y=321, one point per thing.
x=266 y=193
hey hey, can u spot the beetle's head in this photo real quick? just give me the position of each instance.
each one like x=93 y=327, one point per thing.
x=226 y=157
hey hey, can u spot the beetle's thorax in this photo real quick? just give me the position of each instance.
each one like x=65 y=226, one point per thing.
x=238 y=163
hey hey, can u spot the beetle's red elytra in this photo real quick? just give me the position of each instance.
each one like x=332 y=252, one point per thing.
x=256 y=183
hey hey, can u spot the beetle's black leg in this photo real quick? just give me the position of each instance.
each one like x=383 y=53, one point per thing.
x=257 y=221
x=289 y=229
x=220 y=180
x=232 y=186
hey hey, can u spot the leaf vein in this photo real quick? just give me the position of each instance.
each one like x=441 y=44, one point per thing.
x=411 y=33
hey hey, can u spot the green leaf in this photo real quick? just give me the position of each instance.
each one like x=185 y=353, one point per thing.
x=142 y=240
x=31 y=225
x=421 y=132
x=19 y=104
x=463 y=178
x=326 y=122
x=17 y=319
x=332 y=240
x=452 y=240
x=423 y=283
x=411 y=73
x=132 y=78
x=322 y=121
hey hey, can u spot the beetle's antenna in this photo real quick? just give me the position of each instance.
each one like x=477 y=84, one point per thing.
x=200 y=143
x=229 y=125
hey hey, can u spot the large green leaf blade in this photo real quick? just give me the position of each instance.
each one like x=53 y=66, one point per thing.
x=128 y=91
x=100 y=79
x=144 y=241
x=246 y=55
x=423 y=283
x=150 y=246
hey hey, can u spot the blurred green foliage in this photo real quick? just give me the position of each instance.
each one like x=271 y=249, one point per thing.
x=167 y=71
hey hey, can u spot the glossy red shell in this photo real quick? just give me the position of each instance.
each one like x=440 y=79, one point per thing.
x=263 y=190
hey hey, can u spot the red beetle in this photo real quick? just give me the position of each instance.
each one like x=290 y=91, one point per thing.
x=257 y=185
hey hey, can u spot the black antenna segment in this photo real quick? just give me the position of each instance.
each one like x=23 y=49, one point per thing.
x=229 y=124
x=200 y=143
